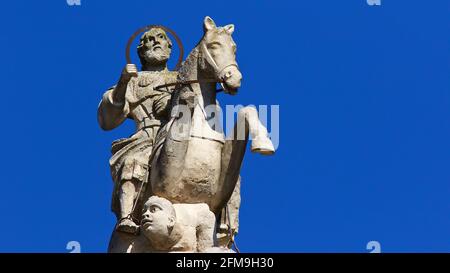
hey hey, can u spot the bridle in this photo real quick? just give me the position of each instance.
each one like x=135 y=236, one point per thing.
x=217 y=70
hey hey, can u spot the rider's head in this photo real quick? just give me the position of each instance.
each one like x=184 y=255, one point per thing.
x=154 y=48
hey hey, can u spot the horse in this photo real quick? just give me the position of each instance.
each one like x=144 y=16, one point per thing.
x=204 y=166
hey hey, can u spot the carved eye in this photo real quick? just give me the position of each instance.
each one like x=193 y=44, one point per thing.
x=154 y=209
x=161 y=36
x=214 y=45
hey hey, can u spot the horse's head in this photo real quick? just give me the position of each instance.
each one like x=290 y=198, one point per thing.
x=219 y=55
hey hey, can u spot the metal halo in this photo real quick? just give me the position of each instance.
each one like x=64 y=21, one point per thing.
x=146 y=28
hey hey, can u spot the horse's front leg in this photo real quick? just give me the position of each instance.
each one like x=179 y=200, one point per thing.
x=248 y=125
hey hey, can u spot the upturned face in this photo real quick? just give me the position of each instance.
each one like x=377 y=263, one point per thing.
x=155 y=47
x=158 y=219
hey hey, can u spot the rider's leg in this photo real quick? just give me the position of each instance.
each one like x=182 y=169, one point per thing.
x=127 y=195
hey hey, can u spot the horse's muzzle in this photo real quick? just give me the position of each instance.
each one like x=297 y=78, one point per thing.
x=231 y=79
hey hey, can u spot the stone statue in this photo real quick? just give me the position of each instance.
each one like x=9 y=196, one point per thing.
x=134 y=97
x=190 y=199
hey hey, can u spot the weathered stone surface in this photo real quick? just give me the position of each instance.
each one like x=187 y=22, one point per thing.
x=177 y=184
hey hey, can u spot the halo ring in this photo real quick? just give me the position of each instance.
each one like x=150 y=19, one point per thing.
x=146 y=28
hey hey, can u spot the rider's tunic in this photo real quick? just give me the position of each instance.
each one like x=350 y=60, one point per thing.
x=149 y=109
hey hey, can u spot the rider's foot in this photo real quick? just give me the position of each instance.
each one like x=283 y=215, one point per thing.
x=262 y=145
x=128 y=226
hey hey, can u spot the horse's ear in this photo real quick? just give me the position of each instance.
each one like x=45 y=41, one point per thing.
x=208 y=23
x=229 y=28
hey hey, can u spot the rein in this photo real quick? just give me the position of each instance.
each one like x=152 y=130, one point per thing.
x=181 y=83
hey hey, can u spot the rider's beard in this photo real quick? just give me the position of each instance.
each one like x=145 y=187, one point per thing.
x=158 y=56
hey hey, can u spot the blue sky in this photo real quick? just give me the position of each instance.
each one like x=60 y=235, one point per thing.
x=364 y=120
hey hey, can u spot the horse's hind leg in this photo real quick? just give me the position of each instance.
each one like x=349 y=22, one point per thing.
x=228 y=222
x=229 y=189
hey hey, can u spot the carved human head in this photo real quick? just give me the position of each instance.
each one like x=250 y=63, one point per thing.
x=158 y=219
x=154 y=47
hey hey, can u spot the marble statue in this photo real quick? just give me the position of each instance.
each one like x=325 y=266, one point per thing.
x=179 y=192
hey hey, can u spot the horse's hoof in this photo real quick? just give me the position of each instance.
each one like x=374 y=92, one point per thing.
x=262 y=146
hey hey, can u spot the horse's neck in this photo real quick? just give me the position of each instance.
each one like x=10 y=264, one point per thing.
x=205 y=91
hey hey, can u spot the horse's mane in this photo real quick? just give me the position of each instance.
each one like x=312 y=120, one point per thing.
x=191 y=62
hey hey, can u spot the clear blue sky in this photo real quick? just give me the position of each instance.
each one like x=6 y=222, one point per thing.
x=364 y=110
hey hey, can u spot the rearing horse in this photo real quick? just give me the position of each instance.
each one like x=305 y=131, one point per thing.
x=204 y=166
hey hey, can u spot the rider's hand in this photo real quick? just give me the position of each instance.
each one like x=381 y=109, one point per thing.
x=129 y=71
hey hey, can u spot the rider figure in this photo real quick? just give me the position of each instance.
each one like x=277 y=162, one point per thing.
x=135 y=97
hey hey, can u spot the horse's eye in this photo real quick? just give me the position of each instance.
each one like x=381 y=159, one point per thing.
x=214 y=45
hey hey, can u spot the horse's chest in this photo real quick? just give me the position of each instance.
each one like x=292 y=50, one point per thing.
x=202 y=165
